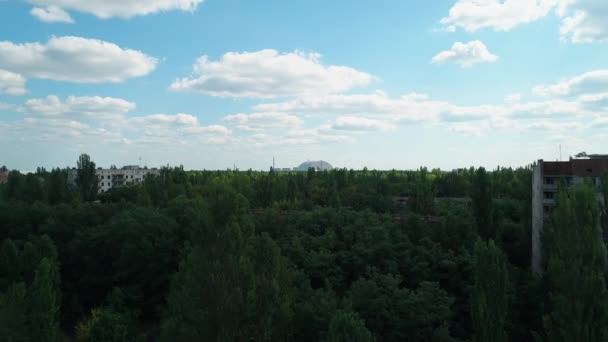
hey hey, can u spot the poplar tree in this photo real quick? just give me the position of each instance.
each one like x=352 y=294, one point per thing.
x=481 y=195
x=346 y=326
x=44 y=302
x=576 y=269
x=489 y=302
x=86 y=178
x=13 y=321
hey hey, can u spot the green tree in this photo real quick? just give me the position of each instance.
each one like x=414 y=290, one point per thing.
x=10 y=262
x=104 y=325
x=423 y=193
x=481 y=194
x=576 y=269
x=13 y=321
x=230 y=287
x=489 y=302
x=44 y=302
x=86 y=178
x=57 y=188
x=346 y=326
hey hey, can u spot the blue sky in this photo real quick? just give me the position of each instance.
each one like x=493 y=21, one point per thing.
x=383 y=84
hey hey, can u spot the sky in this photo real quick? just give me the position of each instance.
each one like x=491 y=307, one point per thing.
x=383 y=84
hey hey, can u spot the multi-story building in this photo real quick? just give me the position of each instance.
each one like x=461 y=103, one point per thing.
x=3 y=177
x=114 y=177
x=546 y=178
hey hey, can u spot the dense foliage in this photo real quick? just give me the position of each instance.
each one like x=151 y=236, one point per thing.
x=342 y=255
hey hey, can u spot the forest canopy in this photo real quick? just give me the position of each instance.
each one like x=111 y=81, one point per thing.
x=341 y=255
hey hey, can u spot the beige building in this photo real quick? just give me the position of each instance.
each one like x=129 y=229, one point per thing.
x=114 y=177
x=546 y=178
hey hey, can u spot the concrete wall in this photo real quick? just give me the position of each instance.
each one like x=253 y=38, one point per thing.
x=537 y=217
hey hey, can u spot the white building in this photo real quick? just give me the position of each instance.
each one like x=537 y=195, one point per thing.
x=114 y=177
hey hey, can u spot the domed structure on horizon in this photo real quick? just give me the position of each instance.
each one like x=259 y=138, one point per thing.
x=320 y=165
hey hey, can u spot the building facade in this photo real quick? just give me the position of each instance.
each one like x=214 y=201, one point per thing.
x=3 y=177
x=546 y=178
x=114 y=177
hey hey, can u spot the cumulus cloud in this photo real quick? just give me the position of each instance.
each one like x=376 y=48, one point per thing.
x=52 y=14
x=303 y=136
x=593 y=82
x=264 y=121
x=12 y=83
x=409 y=108
x=465 y=54
x=554 y=108
x=75 y=59
x=554 y=126
x=178 y=119
x=106 y=9
x=80 y=118
x=358 y=124
x=500 y=15
x=83 y=107
x=377 y=111
x=513 y=98
x=584 y=21
x=168 y=129
x=269 y=74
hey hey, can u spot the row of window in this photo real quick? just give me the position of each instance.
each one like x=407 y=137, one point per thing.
x=110 y=177
x=569 y=180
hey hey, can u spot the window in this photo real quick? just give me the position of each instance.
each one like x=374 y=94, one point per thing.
x=549 y=195
x=549 y=180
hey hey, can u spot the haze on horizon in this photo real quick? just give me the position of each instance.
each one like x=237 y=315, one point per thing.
x=213 y=84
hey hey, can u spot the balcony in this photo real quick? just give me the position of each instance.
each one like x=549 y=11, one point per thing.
x=550 y=187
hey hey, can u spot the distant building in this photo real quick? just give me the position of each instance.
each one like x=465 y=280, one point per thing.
x=316 y=165
x=114 y=177
x=546 y=178
x=3 y=177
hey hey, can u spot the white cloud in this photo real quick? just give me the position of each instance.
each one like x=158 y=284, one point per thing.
x=4 y=106
x=82 y=107
x=594 y=82
x=12 y=83
x=554 y=126
x=264 y=121
x=51 y=14
x=465 y=54
x=178 y=119
x=211 y=129
x=585 y=21
x=500 y=15
x=409 y=108
x=105 y=9
x=542 y=109
x=352 y=123
x=75 y=59
x=304 y=136
x=95 y=121
x=513 y=98
x=269 y=74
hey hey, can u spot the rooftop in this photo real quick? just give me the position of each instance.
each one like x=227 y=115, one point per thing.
x=591 y=167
